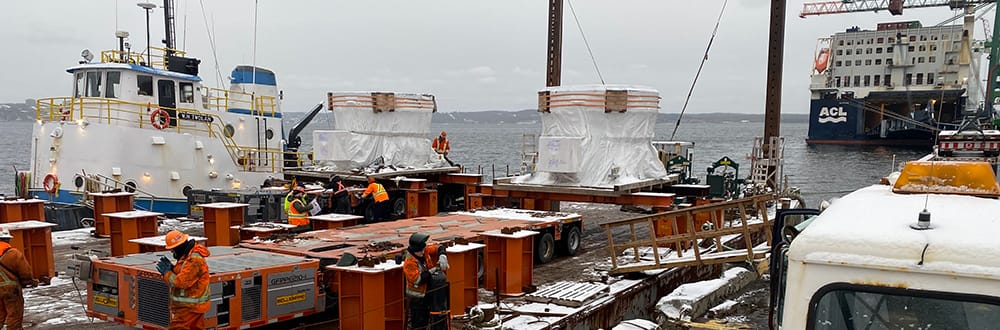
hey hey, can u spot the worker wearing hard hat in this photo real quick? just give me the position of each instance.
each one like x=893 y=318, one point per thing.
x=442 y=146
x=426 y=284
x=380 y=205
x=188 y=280
x=297 y=207
x=15 y=274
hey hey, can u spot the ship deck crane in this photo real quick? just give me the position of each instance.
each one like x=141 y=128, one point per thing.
x=895 y=7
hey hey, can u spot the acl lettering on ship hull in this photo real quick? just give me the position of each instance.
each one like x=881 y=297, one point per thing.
x=831 y=120
x=832 y=115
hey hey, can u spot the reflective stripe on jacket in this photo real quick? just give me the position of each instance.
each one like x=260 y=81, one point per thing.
x=441 y=146
x=296 y=217
x=189 y=284
x=416 y=286
x=378 y=190
x=15 y=271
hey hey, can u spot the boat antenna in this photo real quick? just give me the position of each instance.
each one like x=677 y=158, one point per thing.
x=580 y=27
x=169 y=33
x=700 y=66
x=253 y=60
x=211 y=42
x=184 y=36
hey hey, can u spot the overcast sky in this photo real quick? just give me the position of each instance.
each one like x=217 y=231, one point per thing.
x=473 y=55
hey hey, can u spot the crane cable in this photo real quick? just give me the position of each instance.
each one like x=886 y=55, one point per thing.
x=211 y=41
x=700 y=66
x=579 y=26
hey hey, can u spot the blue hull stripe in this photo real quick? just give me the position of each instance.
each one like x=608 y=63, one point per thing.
x=167 y=206
x=248 y=112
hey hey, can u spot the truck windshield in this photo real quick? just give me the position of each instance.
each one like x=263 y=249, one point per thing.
x=868 y=307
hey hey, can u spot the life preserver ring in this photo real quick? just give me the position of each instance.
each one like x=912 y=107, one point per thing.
x=65 y=113
x=50 y=183
x=159 y=118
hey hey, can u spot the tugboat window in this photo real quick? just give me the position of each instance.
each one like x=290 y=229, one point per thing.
x=113 y=85
x=187 y=92
x=229 y=131
x=145 y=84
x=269 y=134
x=94 y=84
x=78 y=89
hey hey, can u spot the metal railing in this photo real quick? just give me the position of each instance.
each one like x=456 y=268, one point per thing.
x=157 y=57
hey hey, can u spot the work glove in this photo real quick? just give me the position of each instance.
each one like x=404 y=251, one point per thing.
x=164 y=265
x=443 y=262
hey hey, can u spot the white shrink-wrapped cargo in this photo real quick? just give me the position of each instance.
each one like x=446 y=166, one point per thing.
x=596 y=136
x=377 y=129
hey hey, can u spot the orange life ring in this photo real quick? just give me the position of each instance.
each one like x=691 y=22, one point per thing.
x=159 y=118
x=50 y=183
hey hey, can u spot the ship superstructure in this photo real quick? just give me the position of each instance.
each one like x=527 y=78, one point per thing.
x=896 y=85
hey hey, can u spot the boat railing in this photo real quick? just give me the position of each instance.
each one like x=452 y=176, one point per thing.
x=86 y=110
x=157 y=57
x=223 y=100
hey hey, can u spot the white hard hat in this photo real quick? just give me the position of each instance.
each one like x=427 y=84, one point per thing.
x=5 y=234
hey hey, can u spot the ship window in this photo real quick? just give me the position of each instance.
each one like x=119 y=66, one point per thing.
x=868 y=51
x=871 y=40
x=857 y=62
x=848 y=52
x=889 y=49
x=878 y=61
x=114 y=84
x=920 y=79
x=922 y=48
x=836 y=81
x=875 y=80
x=840 y=52
x=931 y=59
x=868 y=62
x=847 y=63
x=910 y=48
x=838 y=63
x=878 y=50
x=913 y=60
x=857 y=51
x=854 y=306
x=934 y=47
x=888 y=61
x=868 y=81
x=913 y=38
x=920 y=60
x=847 y=81
x=880 y=40
x=78 y=89
x=145 y=84
x=187 y=92
x=892 y=40
x=94 y=84
x=857 y=80
x=930 y=78
x=908 y=80
x=850 y=42
x=888 y=80
x=840 y=42
x=944 y=37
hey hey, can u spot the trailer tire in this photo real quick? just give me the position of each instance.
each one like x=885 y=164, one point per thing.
x=398 y=207
x=369 y=213
x=545 y=248
x=570 y=244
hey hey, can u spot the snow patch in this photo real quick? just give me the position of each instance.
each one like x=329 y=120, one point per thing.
x=677 y=304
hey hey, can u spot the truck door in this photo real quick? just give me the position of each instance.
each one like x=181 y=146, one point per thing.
x=787 y=224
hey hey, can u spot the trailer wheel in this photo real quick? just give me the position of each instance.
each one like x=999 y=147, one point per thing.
x=545 y=248
x=398 y=207
x=369 y=213
x=570 y=244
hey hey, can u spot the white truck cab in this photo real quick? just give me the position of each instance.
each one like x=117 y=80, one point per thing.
x=920 y=253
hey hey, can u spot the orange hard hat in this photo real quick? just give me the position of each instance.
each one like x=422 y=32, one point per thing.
x=443 y=133
x=175 y=238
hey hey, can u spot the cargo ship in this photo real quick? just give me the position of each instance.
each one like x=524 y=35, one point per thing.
x=897 y=85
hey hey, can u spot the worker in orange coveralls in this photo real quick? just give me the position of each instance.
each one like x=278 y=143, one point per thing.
x=188 y=279
x=426 y=284
x=15 y=274
x=380 y=198
x=442 y=146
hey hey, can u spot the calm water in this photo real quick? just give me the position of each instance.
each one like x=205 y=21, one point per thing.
x=821 y=172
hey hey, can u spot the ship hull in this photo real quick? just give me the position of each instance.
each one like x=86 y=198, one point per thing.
x=858 y=122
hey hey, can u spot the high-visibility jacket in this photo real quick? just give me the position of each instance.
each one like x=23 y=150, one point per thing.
x=441 y=145
x=416 y=285
x=378 y=190
x=298 y=213
x=189 y=281
x=16 y=272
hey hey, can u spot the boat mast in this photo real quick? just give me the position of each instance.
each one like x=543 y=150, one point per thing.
x=170 y=38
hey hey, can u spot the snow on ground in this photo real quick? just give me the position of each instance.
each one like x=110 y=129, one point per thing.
x=57 y=303
x=72 y=237
x=189 y=227
x=677 y=304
